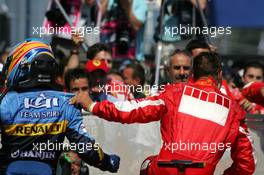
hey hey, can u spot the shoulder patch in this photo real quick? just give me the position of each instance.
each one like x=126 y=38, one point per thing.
x=210 y=106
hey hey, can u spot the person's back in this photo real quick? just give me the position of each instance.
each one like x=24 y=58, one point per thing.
x=203 y=123
x=35 y=117
x=35 y=122
x=199 y=128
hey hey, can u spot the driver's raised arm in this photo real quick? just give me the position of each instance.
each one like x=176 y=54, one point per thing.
x=134 y=111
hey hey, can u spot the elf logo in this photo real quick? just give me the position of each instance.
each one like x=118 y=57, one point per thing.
x=40 y=102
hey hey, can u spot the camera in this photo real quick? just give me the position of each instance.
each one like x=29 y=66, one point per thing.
x=123 y=41
x=118 y=28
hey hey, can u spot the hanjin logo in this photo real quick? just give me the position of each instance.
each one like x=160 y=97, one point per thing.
x=40 y=102
x=33 y=154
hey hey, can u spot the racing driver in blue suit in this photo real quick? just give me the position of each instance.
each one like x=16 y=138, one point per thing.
x=35 y=117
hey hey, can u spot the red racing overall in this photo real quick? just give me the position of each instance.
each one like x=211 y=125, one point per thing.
x=198 y=123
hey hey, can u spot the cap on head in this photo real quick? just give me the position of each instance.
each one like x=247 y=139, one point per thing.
x=92 y=65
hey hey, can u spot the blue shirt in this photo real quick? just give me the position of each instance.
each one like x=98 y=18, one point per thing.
x=42 y=116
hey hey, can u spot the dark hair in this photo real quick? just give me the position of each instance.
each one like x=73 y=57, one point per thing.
x=73 y=74
x=195 y=44
x=96 y=48
x=138 y=72
x=255 y=64
x=206 y=64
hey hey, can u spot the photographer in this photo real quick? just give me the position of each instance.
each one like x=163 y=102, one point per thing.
x=122 y=27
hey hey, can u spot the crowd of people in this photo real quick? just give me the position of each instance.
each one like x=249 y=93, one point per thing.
x=103 y=80
x=46 y=94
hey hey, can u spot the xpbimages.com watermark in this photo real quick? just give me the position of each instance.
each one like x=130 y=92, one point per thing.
x=51 y=30
x=192 y=30
x=191 y=146
x=48 y=150
x=52 y=146
x=123 y=88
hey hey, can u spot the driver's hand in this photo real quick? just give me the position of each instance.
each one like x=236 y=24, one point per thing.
x=82 y=99
x=110 y=163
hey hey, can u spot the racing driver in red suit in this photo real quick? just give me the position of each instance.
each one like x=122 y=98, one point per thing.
x=198 y=122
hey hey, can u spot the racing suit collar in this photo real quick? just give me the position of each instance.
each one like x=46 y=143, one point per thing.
x=206 y=81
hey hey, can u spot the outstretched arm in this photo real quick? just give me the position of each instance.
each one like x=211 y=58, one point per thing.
x=141 y=111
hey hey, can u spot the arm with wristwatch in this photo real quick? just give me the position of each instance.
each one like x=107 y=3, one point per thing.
x=74 y=60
